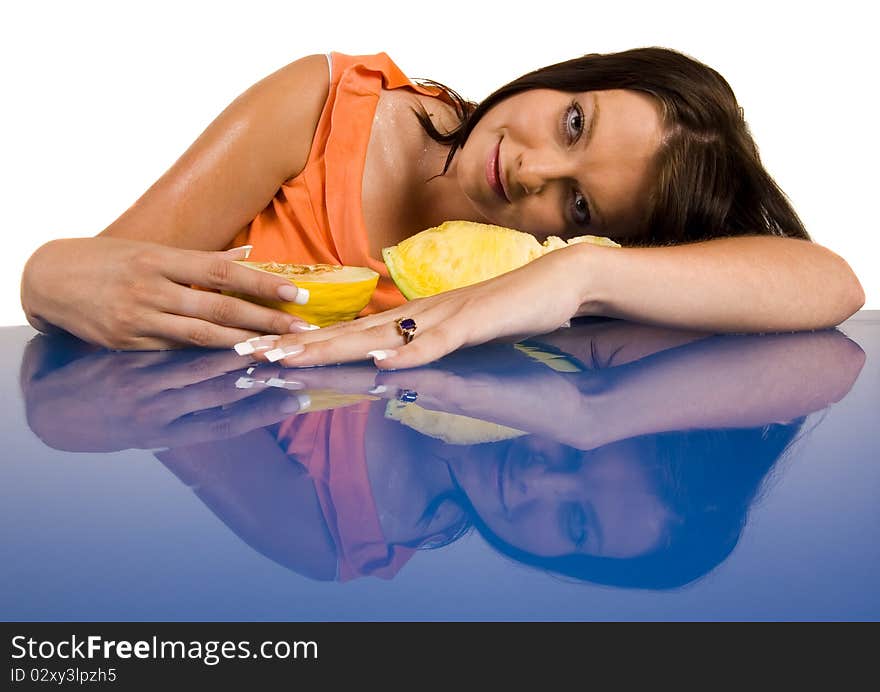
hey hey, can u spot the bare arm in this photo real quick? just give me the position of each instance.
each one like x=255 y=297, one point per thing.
x=232 y=171
x=129 y=287
x=743 y=284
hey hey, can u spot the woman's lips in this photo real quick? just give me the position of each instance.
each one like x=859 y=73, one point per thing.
x=493 y=172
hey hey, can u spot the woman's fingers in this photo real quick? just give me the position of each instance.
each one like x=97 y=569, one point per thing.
x=424 y=348
x=383 y=343
x=190 y=331
x=309 y=349
x=228 y=311
x=218 y=270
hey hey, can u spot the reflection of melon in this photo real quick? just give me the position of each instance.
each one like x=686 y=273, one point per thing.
x=552 y=358
x=449 y=427
x=335 y=293
x=311 y=400
x=460 y=253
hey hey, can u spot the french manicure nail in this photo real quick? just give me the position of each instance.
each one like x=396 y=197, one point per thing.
x=296 y=327
x=382 y=355
x=244 y=383
x=283 y=384
x=284 y=352
x=256 y=343
x=247 y=250
x=292 y=294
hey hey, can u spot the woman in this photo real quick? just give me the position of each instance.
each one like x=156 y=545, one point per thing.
x=647 y=147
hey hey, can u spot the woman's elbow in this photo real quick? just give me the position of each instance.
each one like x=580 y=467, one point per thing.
x=858 y=295
x=30 y=282
x=852 y=293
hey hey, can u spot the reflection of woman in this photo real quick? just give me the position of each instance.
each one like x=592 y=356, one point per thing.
x=618 y=502
x=314 y=165
x=637 y=504
x=656 y=511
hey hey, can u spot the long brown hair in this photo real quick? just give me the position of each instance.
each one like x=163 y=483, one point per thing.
x=710 y=181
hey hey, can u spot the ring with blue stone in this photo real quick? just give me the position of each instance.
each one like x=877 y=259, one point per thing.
x=407 y=396
x=407 y=328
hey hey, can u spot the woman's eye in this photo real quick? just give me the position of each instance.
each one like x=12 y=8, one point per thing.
x=580 y=210
x=576 y=524
x=574 y=122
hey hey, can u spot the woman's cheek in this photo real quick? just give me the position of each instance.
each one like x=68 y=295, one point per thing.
x=539 y=221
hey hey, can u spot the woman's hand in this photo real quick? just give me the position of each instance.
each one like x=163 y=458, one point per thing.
x=534 y=299
x=132 y=295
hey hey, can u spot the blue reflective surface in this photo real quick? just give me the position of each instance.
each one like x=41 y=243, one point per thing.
x=608 y=471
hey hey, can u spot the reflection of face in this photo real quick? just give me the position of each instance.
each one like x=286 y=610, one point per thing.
x=568 y=164
x=552 y=500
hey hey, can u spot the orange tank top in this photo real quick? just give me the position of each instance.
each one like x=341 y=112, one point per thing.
x=330 y=445
x=316 y=216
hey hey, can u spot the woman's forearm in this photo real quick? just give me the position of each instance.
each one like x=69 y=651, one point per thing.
x=743 y=284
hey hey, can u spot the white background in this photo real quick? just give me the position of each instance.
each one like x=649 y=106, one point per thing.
x=100 y=98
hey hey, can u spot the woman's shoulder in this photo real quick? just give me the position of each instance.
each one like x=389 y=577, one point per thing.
x=397 y=92
x=380 y=63
x=378 y=67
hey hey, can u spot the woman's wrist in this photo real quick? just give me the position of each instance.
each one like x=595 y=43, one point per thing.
x=589 y=265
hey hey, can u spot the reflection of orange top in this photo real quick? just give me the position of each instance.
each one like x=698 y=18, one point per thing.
x=316 y=216
x=330 y=445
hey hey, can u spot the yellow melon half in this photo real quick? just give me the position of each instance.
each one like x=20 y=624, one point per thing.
x=460 y=253
x=336 y=293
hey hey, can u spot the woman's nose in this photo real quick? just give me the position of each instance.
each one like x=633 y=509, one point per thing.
x=536 y=169
x=539 y=483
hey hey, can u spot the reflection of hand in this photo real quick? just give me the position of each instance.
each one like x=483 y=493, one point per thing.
x=540 y=401
x=723 y=382
x=109 y=401
x=529 y=300
x=348 y=379
x=125 y=294
x=607 y=343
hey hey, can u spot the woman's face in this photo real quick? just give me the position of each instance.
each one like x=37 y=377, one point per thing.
x=552 y=500
x=556 y=163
